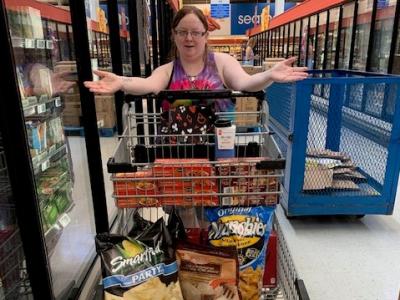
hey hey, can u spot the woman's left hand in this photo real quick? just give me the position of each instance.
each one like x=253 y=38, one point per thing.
x=284 y=72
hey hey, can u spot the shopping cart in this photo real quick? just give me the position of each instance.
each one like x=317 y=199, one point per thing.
x=150 y=168
x=153 y=170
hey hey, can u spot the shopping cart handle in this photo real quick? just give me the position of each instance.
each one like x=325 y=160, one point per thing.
x=202 y=94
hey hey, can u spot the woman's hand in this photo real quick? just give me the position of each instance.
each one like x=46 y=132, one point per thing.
x=284 y=72
x=109 y=83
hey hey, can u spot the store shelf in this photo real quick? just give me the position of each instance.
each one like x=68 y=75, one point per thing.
x=53 y=234
x=42 y=105
x=19 y=42
x=11 y=262
x=44 y=160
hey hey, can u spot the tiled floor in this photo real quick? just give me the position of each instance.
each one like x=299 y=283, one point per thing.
x=346 y=258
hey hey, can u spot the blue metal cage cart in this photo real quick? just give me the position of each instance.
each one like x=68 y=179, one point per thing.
x=340 y=134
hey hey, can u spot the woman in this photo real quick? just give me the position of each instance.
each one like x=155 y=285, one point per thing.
x=194 y=67
x=249 y=58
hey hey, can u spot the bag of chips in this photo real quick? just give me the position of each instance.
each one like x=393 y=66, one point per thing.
x=247 y=229
x=140 y=268
x=207 y=272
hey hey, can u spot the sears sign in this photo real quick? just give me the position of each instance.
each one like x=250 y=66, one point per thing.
x=248 y=15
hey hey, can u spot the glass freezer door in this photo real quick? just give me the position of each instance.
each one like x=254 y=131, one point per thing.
x=41 y=36
x=14 y=281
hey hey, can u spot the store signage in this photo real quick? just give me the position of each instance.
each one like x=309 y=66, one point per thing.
x=382 y=4
x=245 y=16
x=220 y=9
x=248 y=15
x=122 y=15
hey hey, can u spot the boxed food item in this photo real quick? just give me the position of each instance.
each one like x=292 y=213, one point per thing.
x=208 y=273
x=37 y=135
x=73 y=120
x=108 y=120
x=246 y=104
x=260 y=182
x=126 y=185
x=74 y=98
x=105 y=103
x=192 y=200
x=72 y=108
x=182 y=167
x=193 y=188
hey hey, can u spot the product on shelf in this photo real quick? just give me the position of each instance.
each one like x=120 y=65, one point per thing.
x=26 y=22
x=55 y=132
x=37 y=136
x=247 y=229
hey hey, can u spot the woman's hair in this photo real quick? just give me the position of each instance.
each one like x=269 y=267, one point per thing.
x=251 y=42
x=184 y=11
x=189 y=10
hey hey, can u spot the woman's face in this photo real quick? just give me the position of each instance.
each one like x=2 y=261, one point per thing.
x=190 y=37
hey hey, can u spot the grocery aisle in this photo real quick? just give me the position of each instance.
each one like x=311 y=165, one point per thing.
x=346 y=258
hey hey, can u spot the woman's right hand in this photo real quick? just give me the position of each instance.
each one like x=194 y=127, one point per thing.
x=109 y=83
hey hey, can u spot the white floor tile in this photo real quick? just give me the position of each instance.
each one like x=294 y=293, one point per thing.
x=346 y=258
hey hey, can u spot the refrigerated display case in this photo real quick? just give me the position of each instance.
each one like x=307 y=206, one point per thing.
x=13 y=277
x=59 y=214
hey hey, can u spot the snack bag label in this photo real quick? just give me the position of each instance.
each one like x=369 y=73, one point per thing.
x=237 y=230
x=140 y=277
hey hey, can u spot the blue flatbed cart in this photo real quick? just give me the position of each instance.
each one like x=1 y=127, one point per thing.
x=332 y=121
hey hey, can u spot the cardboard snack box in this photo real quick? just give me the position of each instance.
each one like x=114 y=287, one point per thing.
x=182 y=168
x=200 y=200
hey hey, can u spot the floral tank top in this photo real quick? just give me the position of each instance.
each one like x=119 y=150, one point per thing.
x=207 y=79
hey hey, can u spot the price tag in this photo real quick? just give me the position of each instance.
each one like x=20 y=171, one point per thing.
x=30 y=43
x=64 y=220
x=32 y=100
x=45 y=165
x=49 y=44
x=17 y=42
x=100 y=123
x=57 y=102
x=44 y=98
x=52 y=148
x=41 y=44
x=41 y=108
